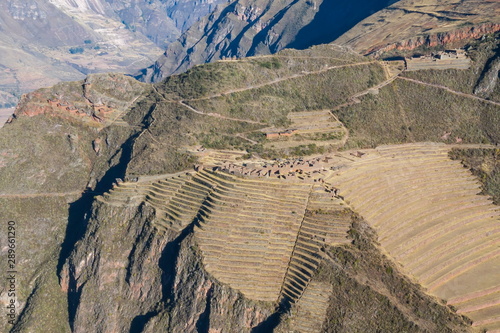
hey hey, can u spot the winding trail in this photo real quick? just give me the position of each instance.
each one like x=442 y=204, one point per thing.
x=256 y=86
x=240 y=135
x=377 y=87
x=218 y=115
x=286 y=78
x=211 y=114
x=450 y=90
x=125 y=110
x=354 y=99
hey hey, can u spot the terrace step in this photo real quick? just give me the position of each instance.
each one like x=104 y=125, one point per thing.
x=310 y=311
x=247 y=231
x=429 y=218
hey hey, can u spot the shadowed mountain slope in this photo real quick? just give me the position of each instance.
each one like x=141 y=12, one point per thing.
x=247 y=27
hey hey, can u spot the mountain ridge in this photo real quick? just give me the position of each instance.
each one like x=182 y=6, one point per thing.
x=247 y=28
x=409 y=24
x=45 y=42
x=134 y=144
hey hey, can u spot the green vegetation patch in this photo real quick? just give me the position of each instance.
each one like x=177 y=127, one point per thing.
x=224 y=76
x=44 y=154
x=40 y=225
x=273 y=63
x=76 y=50
x=410 y=112
x=271 y=103
x=369 y=294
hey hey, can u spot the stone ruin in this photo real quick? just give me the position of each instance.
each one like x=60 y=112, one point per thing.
x=448 y=59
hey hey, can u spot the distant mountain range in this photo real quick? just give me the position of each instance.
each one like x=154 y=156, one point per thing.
x=47 y=41
x=254 y=27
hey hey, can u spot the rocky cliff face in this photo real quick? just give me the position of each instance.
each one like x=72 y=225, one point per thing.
x=129 y=277
x=457 y=37
x=161 y=21
x=409 y=24
x=488 y=82
x=248 y=27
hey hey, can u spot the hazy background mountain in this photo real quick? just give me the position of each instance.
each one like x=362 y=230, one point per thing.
x=255 y=27
x=47 y=41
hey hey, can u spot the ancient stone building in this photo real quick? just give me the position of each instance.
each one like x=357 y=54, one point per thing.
x=449 y=59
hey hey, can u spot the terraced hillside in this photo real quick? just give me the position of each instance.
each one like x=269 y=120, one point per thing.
x=265 y=236
x=321 y=128
x=311 y=310
x=430 y=218
x=166 y=244
x=216 y=157
x=260 y=236
x=249 y=234
x=408 y=24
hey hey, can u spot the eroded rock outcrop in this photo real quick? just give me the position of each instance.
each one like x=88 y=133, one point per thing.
x=489 y=79
x=439 y=39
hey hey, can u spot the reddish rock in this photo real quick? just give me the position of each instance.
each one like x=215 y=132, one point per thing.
x=444 y=38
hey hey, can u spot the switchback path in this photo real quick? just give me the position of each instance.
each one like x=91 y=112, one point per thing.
x=286 y=78
x=377 y=87
x=450 y=90
x=294 y=76
x=354 y=99
x=256 y=86
x=211 y=114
